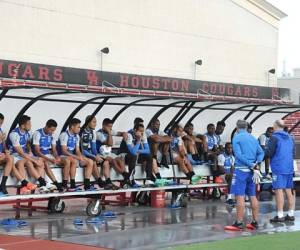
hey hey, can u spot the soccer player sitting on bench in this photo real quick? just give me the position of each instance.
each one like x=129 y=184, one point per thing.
x=19 y=144
x=104 y=141
x=213 y=151
x=179 y=154
x=9 y=167
x=190 y=142
x=44 y=146
x=136 y=148
x=158 y=141
x=69 y=147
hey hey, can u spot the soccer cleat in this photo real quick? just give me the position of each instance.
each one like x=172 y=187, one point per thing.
x=31 y=187
x=230 y=202
x=50 y=187
x=235 y=227
x=44 y=190
x=219 y=180
x=101 y=183
x=195 y=179
x=24 y=190
x=74 y=189
x=2 y=194
x=289 y=218
x=92 y=188
x=110 y=186
x=135 y=184
x=252 y=226
x=162 y=182
x=276 y=219
x=149 y=183
x=59 y=187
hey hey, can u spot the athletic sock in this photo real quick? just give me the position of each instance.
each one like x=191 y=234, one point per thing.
x=126 y=175
x=3 y=182
x=151 y=178
x=87 y=184
x=65 y=183
x=158 y=176
x=189 y=175
x=42 y=181
x=280 y=214
x=291 y=213
x=24 y=183
x=73 y=185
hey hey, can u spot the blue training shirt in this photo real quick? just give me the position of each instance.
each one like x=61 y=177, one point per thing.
x=247 y=150
x=281 y=150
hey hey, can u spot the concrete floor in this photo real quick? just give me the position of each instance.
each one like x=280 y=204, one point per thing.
x=144 y=227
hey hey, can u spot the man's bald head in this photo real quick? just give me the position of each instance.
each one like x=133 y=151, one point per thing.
x=279 y=125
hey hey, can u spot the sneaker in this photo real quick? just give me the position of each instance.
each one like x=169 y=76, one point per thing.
x=2 y=194
x=110 y=186
x=24 y=190
x=218 y=179
x=235 y=226
x=74 y=189
x=51 y=187
x=195 y=179
x=101 y=183
x=44 y=190
x=276 y=219
x=149 y=183
x=31 y=187
x=135 y=184
x=230 y=202
x=59 y=187
x=3 y=190
x=92 y=188
x=252 y=226
x=161 y=182
x=289 y=218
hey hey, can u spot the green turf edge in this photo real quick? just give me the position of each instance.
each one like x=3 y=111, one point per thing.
x=276 y=241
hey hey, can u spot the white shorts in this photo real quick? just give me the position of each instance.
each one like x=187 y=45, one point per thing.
x=17 y=157
x=50 y=156
x=111 y=155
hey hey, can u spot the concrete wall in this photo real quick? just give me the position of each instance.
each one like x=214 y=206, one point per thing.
x=236 y=40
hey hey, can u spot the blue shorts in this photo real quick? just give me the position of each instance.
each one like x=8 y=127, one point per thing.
x=282 y=181
x=242 y=184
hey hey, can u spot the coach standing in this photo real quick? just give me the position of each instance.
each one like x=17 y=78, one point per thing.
x=281 y=150
x=248 y=154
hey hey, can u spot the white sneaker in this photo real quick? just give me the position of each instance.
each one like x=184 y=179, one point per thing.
x=51 y=187
x=44 y=190
x=149 y=183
